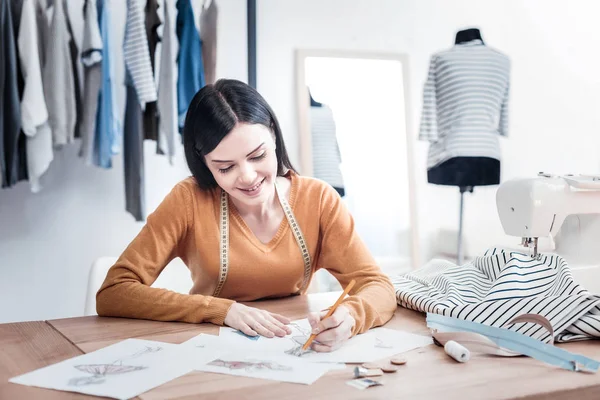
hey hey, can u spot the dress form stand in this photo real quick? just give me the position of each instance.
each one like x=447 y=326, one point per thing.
x=466 y=173
x=459 y=250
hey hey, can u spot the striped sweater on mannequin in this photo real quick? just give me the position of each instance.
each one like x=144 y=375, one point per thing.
x=465 y=103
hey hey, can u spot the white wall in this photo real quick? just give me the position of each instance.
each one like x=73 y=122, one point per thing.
x=49 y=240
x=554 y=117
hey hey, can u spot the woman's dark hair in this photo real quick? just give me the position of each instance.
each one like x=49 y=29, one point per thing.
x=213 y=113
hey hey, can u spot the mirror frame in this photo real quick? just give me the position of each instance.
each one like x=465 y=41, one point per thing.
x=305 y=140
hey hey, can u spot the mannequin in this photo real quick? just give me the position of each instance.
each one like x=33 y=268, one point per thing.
x=467 y=35
x=464 y=149
x=313 y=102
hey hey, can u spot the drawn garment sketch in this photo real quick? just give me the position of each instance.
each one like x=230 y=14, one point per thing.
x=122 y=371
x=250 y=365
x=271 y=367
x=373 y=345
x=101 y=371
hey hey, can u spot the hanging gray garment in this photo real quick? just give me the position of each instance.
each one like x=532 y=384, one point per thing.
x=91 y=57
x=43 y=29
x=59 y=85
x=136 y=53
x=75 y=70
x=133 y=153
x=208 y=35
x=34 y=113
x=10 y=109
x=167 y=85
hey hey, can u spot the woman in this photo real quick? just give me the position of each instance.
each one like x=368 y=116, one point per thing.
x=248 y=227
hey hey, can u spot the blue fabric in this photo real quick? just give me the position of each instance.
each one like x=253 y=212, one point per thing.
x=107 y=140
x=190 y=64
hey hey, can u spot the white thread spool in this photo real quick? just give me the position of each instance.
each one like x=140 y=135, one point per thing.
x=456 y=351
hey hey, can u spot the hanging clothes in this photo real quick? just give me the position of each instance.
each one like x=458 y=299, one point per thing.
x=91 y=57
x=167 y=84
x=326 y=154
x=141 y=90
x=133 y=150
x=107 y=139
x=465 y=103
x=76 y=70
x=16 y=12
x=34 y=113
x=208 y=35
x=151 y=116
x=58 y=79
x=191 y=69
x=137 y=54
x=10 y=108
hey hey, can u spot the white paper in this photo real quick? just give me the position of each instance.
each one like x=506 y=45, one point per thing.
x=272 y=367
x=373 y=345
x=122 y=371
x=204 y=348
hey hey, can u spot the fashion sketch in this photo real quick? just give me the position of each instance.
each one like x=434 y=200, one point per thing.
x=298 y=341
x=250 y=365
x=100 y=372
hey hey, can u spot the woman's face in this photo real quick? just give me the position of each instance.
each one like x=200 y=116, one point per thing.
x=244 y=164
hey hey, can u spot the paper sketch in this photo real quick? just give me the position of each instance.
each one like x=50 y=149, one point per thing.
x=272 y=367
x=122 y=370
x=373 y=345
x=250 y=365
x=101 y=371
x=298 y=338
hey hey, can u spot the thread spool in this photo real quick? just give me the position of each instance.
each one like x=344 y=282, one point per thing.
x=456 y=351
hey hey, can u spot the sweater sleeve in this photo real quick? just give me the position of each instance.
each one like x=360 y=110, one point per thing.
x=372 y=301
x=126 y=291
x=429 y=123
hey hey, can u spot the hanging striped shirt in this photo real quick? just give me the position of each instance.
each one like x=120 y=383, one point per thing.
x=325 y=150
x=501 y=285
x=137 y=54
x=465 y=103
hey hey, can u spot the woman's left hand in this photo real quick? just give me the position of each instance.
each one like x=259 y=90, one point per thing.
x=331 y=332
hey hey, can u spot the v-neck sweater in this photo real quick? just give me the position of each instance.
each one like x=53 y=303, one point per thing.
x=187 y=225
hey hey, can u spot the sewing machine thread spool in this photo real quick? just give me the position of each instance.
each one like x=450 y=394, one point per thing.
x=456 y=351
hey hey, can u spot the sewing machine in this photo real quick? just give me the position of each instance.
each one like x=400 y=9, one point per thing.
x=543 y=206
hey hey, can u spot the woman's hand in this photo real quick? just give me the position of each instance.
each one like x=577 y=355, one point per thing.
x=253 y=321
x=331 y=332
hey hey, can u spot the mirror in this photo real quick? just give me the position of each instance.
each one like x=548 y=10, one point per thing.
x=355 y=134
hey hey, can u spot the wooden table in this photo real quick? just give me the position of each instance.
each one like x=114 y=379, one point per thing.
x=429 y=374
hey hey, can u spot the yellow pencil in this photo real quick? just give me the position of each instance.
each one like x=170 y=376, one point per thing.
x=331 y=311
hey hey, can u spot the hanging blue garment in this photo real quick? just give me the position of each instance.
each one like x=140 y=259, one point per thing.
x=108 y=126
x=189 y=61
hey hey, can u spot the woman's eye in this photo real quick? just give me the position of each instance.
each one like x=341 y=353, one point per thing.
x=260 y=157
x=225 y=170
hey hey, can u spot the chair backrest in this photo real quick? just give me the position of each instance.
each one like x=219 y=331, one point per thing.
x=175 y=277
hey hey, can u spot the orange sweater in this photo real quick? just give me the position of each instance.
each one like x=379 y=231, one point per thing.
x=186 y=225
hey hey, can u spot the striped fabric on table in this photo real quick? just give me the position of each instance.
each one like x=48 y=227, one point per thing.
x=495 y=288
x=465 y=103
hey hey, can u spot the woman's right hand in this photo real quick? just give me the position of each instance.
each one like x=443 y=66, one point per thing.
x=253 y=321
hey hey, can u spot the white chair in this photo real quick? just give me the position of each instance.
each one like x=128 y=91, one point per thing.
x=175 y=277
